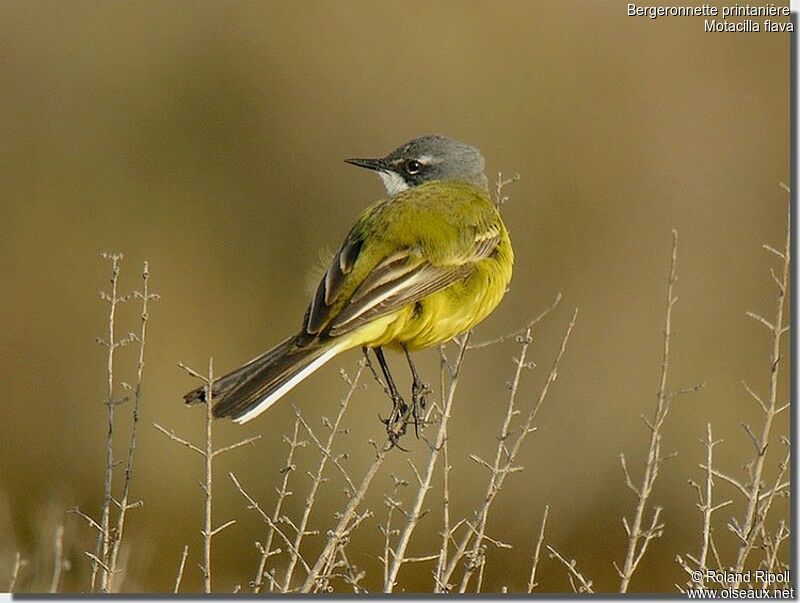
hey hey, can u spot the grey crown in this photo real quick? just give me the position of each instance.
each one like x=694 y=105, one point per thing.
x=432 y=157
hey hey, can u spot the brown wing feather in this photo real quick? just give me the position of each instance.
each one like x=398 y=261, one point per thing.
x=389 y=270
x=330 y=286
x=393 y=295
x=398 y=280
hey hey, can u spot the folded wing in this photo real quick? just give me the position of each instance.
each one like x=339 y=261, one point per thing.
x=399 y=280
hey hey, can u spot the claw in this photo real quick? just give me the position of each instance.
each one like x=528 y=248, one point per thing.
x=402 y=414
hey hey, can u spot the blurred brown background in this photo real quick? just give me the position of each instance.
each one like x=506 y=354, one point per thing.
x=208 y=138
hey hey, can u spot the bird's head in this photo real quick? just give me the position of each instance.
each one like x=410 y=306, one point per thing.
x=424 y=159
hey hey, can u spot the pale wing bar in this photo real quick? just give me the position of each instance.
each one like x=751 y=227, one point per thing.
x=399 y=280
x=388 y=297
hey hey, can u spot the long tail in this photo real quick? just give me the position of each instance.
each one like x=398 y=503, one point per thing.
x=248 y=391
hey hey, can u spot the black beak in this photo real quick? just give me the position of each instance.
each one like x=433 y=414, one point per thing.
x=370 y=164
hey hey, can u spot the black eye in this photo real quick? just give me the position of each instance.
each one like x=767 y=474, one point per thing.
x=413 y=166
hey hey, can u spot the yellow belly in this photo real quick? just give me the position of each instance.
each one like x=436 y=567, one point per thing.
x=444 y=314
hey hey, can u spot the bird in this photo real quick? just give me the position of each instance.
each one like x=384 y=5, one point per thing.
x=424 y=264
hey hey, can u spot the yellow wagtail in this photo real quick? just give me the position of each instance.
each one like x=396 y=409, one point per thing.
x=419 y=267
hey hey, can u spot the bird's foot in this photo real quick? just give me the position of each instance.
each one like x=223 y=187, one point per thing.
x=419 y=403
x=398 y=420
x=402 y=414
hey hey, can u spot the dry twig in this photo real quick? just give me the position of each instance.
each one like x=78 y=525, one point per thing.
x=348 y=519
x=103 y=543
x=145 y=296
x=707 y=507
x=584 y=585
x=424 y=481
x=639 y=538
x=283 y=492
x=326 y=454
x=252 y=504
x=179 y=577
x=532 y=580
x=209 y=454
x=755 y=512
x=505 y=455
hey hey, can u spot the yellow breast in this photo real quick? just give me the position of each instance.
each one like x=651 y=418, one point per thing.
x=450 y=312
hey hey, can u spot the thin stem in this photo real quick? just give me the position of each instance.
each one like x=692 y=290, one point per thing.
x=639 y=538
x=585 y=586
x=505 y=456
x=252 y=504
x=532 y=580
x=345 y=518
x=283 y=492
x=393 y=504
x=752 y=516
x=316 y=482
x=179 y=577
x=446 y=534
x=208 y=453
x=145 y=296
x=413 y=515
x=708 y=503
x=209 y=458
x=103 y=537
x=515 y=335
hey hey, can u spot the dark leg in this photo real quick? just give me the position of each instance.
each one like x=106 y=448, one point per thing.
x=375 y=375
x=387 y=375
x=419 y=393
x=396 y=423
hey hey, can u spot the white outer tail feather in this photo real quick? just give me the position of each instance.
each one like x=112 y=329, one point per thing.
x=286 y=387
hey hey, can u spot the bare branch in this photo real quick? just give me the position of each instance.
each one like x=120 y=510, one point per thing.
x=761 y=319
x=345 y=518
x=532 y=579
x=446 y=530
x=103 y=543
x=88 y=519
x=753 y=439
x=193 y=373
x=707 y=506
x=218 y=529
x=326 y=451
x=731 y=480
x=585 y=585
x=146 y=296
x=773 y=250
x=758 y=507
x=639 y=539
x=266 y=551
x=505 y=456
x=499 y=198
x=519 y=332
x=179 y=577
x=626 y=473
x=97 y=560
x=208 y=455
x=424 y=482
x=755 y=396
x=224 y=449
x=254 y=505
x=171 y=435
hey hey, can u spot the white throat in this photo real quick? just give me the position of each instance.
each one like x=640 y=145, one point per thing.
x=393 y=182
